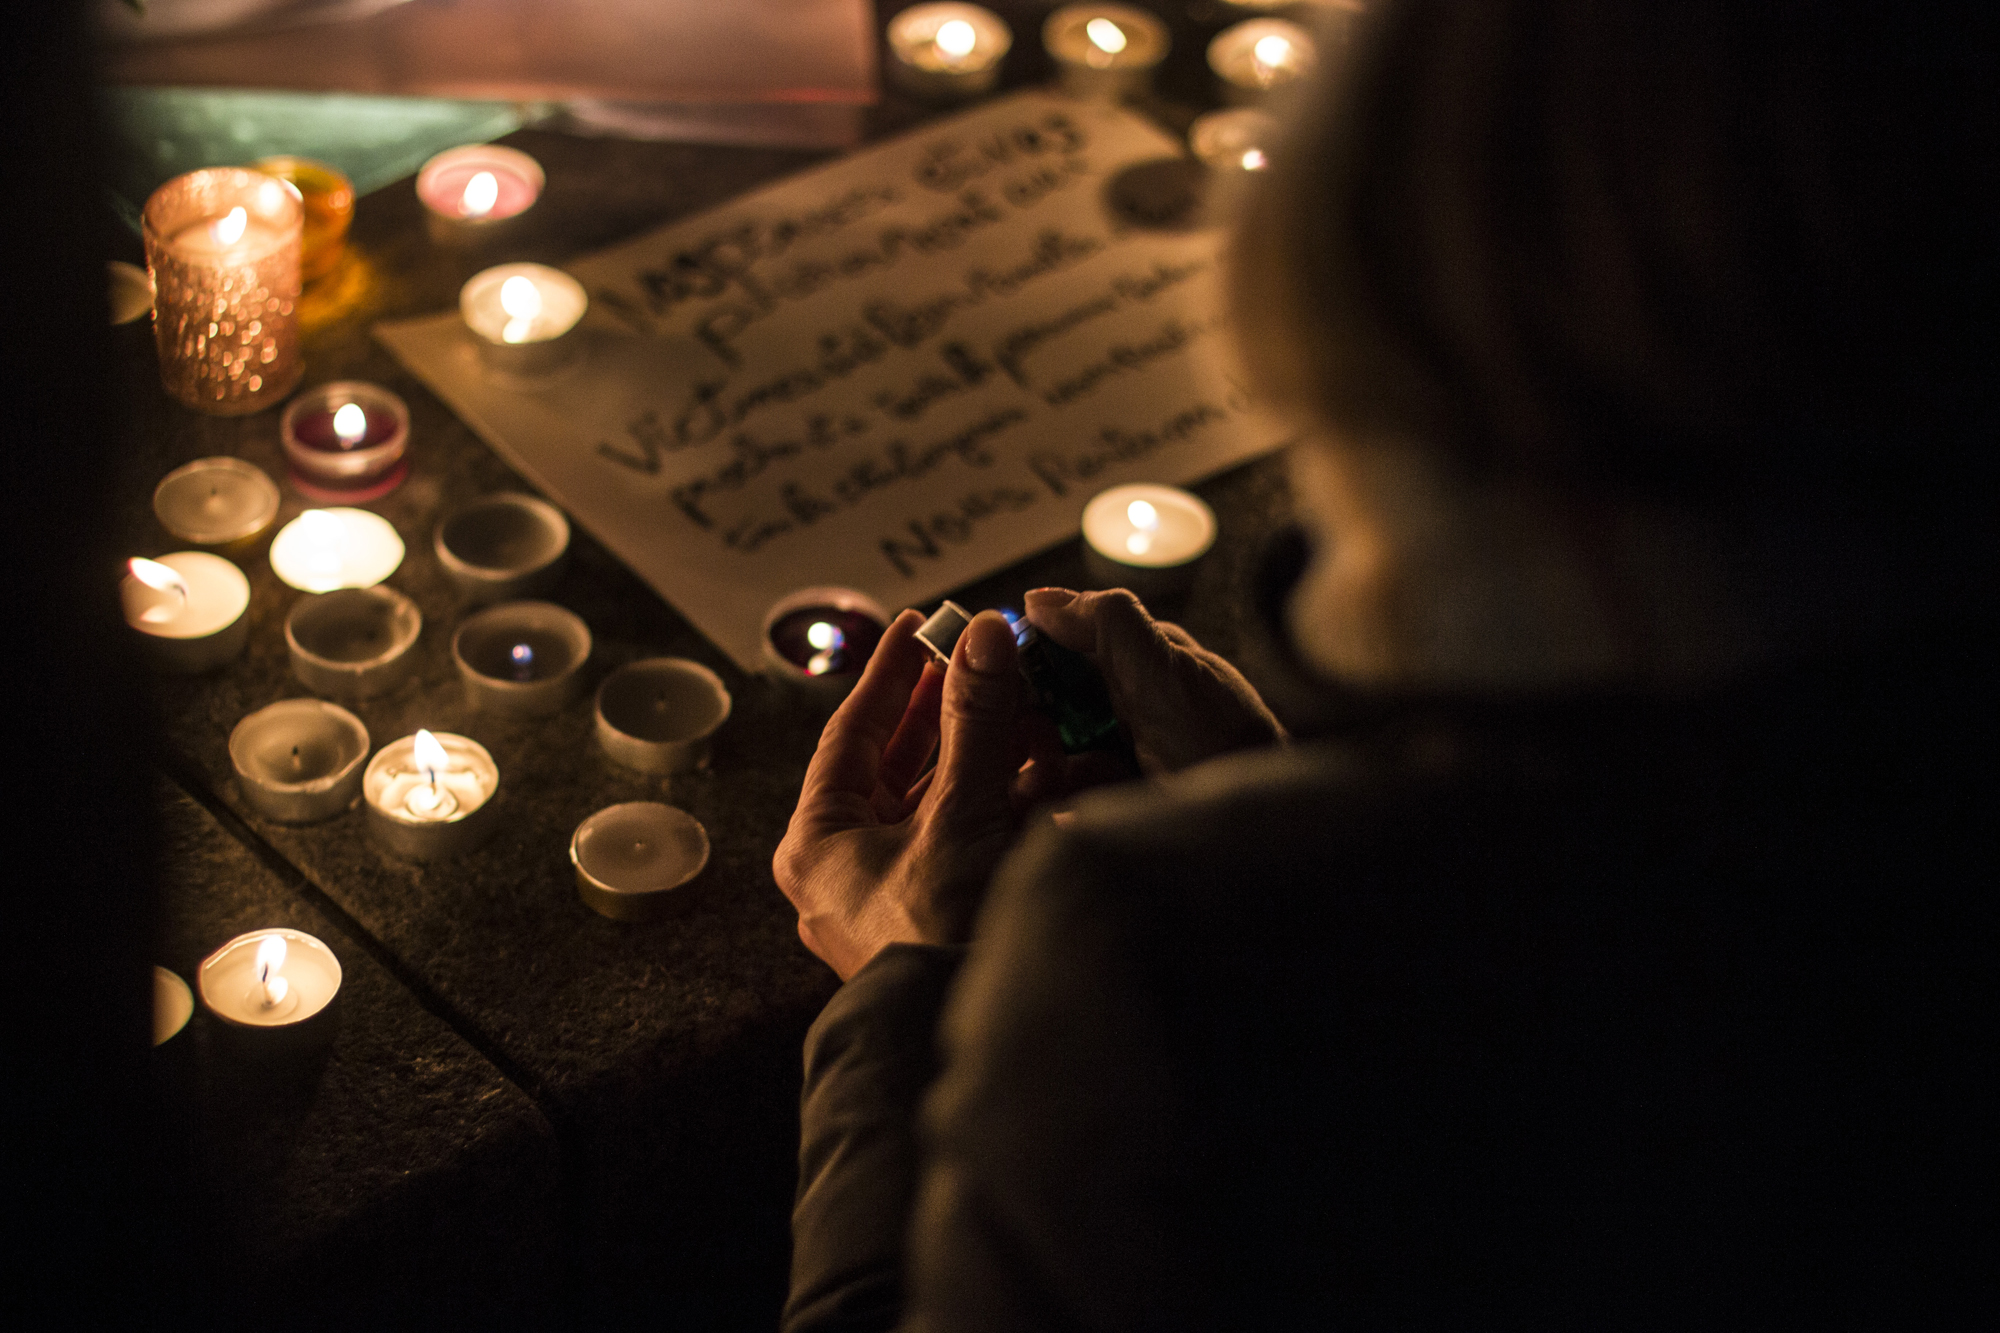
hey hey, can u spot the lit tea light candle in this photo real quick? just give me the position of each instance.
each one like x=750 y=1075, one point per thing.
x=1234 y=141
x=216 y=501
x=348 y=440
x=1105 y=50
x=822 y=638
x=354 y=643
x=223 y=250
x=503 y=546
x=173 y=1005
x=521 y=316
x=269 y=979
x=1146 y=538
x=947 y=52
x=325 y=549
x=1258 y=56
x=658 y=715
x=469 y=193
x=524 y=659
x=430 y=795
x=298 y=761
x=630 y=858
x=188 y=607
x=328 y=198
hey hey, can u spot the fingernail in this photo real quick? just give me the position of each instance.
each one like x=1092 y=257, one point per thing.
x=1053 y=599
x=989 y=643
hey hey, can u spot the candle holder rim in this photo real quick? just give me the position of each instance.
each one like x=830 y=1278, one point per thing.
x=681 y=665
x=152 y=227
x=293 y=939
x=404 y=613
x=259 y=478
x=589 y=881
x=449 y=740
x=353 y=725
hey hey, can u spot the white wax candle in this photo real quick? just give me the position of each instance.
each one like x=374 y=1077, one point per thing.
x=429 y=795
x=947 y=50
x=325 y=549
x=1105 y=50
x=242 y=985
x=1258 y=56
x=1148 y=527
x=629 y=858
x=214 y=501
x=190 y=607
x=514 y=304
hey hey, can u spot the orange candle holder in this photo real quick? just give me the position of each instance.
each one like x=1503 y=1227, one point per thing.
x=328 y=197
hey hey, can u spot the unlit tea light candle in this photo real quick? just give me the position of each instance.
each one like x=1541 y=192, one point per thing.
x=354 y=643
x=346 y=441
x=188 y=607
x=325 y=549
x=1105 y=50
x=223 y=252
x=524 y=659
x=298 y=761
x=503 y=546
x=657 y=715
x=430 y=795
x=471 y=193
x=521 y=316
x=269 y=979
x=216 y=501
x=1259 y=56
x=947 y=52
x=630 y=858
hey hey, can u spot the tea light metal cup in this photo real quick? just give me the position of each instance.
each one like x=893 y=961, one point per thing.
x=502 y=547
x=947 y=52
x=1254 y=59
x=657 y=715
x=473 y=195
x=431 y=806
x=819 y=639
x=298 y=761
x=1105 y=50
x=354 y=643
x=522 y=659
x=631 y=858
x=1147 y=538
x=270 y=980
x=523 y=317
x=216 y=501
x=189 y=610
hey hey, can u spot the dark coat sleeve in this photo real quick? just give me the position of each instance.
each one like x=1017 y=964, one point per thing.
x=868 y=1058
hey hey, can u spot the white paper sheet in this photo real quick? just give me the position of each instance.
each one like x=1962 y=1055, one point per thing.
x=897 y=373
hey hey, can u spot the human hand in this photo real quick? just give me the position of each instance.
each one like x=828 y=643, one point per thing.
x=1180 y=702
x=880 y=851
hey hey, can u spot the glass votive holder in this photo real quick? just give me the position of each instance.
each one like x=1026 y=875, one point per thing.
x=1105 y=50
x=223 y=248
x=523 y=317
x=657 y=715
x=347 y=442
x=521 y=659
x=328 y=198
x=277 y=984
x=1146 y=538
x=947 y=52
x=473 y=195
x=298 y=761
x=353 y=643
x=630 y=858
x=504 y=546
x=216 y=502
x=1257 y=57
x=430 y=796
x=188 y=610
x=819 y=639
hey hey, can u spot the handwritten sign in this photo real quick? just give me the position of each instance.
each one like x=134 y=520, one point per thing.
x=897 y=373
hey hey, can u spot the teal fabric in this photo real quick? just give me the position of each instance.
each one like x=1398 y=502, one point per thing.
x=158 y=133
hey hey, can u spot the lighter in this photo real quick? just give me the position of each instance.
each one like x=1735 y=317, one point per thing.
x=1066 y=686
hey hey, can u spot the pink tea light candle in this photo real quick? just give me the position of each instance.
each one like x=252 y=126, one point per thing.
x=471 y=193
x=223 y=250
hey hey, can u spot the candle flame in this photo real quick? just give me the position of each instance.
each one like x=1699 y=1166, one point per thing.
x=824 y=636
x=350 y=423
x=1254 y=160
x=1142 y=515
x=1105 y=35
x=522 y=301
x=270 y=959
x=228 y=229
x=481 y=193
x=430 y=755
x=164 y=579
x=1271 y=56
x=956 y=39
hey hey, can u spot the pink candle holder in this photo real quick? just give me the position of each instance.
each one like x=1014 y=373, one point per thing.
x=347 y=442
x=472 y=195
x=223 y=249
